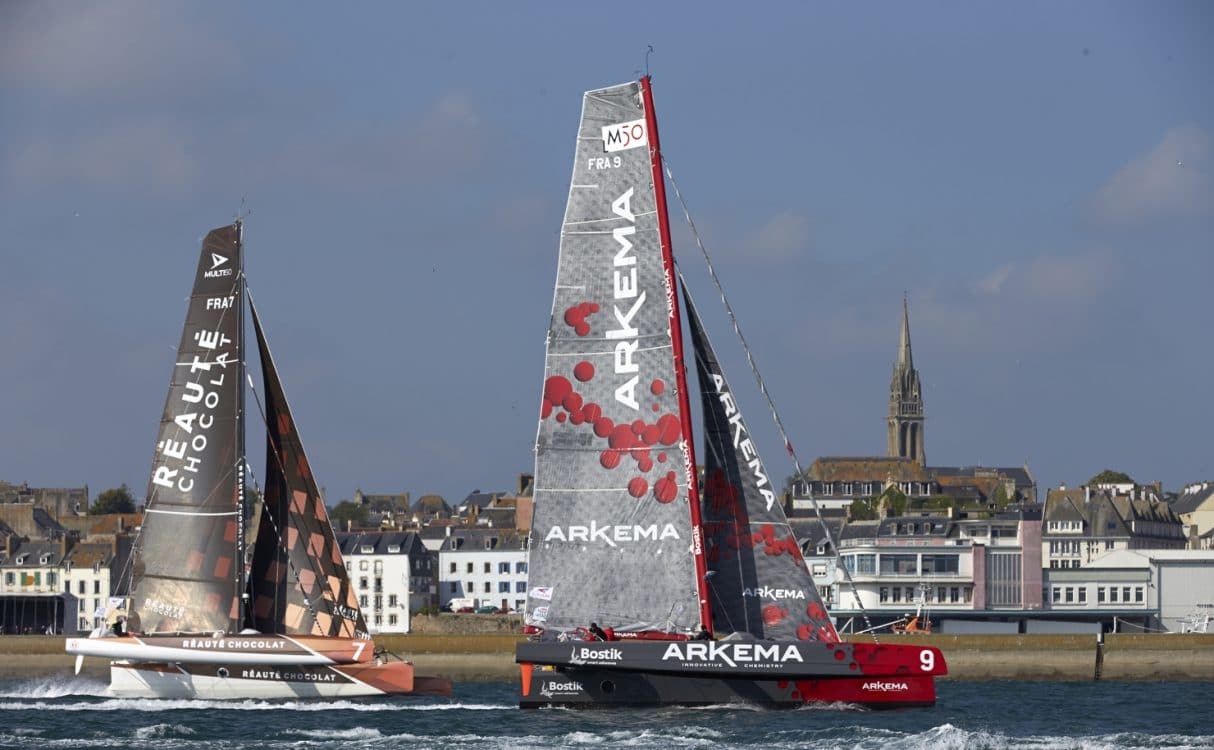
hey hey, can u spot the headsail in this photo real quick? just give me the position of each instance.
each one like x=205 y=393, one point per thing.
x=759 y=582
x=187 y=574
x=298 y=583
x=611 y=537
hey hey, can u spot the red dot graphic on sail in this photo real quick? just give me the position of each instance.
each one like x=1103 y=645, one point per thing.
x=635 y=440
x=575 y=317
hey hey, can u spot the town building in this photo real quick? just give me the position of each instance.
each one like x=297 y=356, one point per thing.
x=1195 y=506
x=1084 y=523
x=483 y=566
x=392 y=574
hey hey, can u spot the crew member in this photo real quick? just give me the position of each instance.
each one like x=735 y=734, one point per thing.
x=702 y=634
x=597 y=632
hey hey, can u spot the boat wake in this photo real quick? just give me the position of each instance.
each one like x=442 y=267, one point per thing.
x=55 y=687
x=44 y=702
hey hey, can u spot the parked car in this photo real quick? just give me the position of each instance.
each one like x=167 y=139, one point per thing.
x=488 y=609
x=464 y=611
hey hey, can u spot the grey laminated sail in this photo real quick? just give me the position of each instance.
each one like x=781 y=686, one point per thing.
x=611 y=537
x=298 y=584
x=759 y=582
x=186 y=576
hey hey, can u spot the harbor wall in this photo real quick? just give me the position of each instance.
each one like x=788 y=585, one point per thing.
x=490 y=655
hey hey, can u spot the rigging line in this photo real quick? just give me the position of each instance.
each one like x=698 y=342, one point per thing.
x=754 y=368
x=320 y=574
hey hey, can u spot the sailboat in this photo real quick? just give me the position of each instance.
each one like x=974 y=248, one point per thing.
x=235 y=595
x=701 y=601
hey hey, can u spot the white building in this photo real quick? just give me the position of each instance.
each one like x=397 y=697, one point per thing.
x=392 y=574
x=485 y=565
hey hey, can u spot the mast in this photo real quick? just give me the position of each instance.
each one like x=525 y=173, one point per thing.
x=241 y=366
x=676 y=335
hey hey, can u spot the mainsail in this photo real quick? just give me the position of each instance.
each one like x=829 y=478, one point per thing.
x=189 y=574
x=298 y=584
x=759 y=582
x=612 y=538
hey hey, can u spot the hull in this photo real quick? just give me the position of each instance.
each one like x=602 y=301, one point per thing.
x=772 y=673
x=269 y=681
x=256 y=649
x=600 y=688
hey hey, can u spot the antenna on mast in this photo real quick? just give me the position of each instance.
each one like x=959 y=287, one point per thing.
x=648 y=52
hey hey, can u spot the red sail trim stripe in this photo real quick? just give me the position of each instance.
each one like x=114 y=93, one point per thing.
x=676 y=336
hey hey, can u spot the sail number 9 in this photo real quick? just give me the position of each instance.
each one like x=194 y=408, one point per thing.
x=927 y=660
x=603 y=162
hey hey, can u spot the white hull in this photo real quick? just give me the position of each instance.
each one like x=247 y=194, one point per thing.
x=243 y=682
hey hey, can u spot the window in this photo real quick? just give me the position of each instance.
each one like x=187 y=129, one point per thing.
x=1070 y=595
x=488 y=567
x=379 y=619
x=520 y=567
x=847 y=488
x=1108 y=544
x=503 y=587
x=520 y=586
x=899 y=565
x=391 y=619
x=488 y=587
x=884 y=593
x=452 y=568
x=362 y=564
x=347 y=566
x=1125 y=594
x=861 y=564
x=379 y=602
x=828 y=489
x=819 y=569
x=941 y=564
x=469 y=569
x=1100 y=594
x=897 y=594
x=503 y=567
x=1112 y=593
x=362 y=582
x=1057 y=595
x=1083 y=594
x=97 y=589
x=1138 y=594
x=50 y=578
x=392 y=600
x=362 y=600
x=942 y=594
x=393 y=549
x=9 y=579
x=379 y=567
x=379 y=584
x=470 y=587
x=954 y=594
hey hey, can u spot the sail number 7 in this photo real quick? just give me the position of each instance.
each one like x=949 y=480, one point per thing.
x=927 y=660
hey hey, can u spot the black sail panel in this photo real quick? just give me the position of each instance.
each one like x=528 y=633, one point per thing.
x=298 y=584
x=186 y=575
x=759 y=583
x=611 y=534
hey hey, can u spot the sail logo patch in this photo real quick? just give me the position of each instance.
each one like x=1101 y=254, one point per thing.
x=732 y=654
x=625 y=135
x=767 y=592
x=612 y=535
x=216 y=272
x=542 y=592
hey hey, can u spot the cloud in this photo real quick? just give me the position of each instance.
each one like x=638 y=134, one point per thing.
x=113 y=48
x=1025 y=307
x=152 y=153
x=781 y=238
x=1171 y=179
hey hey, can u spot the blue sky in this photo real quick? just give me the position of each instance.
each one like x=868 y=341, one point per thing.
x=1038 y=178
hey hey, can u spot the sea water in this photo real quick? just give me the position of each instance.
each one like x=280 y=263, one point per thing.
x=76 y=713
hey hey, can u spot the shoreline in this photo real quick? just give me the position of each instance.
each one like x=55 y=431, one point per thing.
x=490 y=657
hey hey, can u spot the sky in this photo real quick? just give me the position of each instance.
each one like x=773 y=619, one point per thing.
x=1037 y=178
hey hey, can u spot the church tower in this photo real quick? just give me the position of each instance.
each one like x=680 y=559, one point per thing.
x=906 y=403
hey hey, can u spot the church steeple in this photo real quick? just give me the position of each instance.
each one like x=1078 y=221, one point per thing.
x=905 y=437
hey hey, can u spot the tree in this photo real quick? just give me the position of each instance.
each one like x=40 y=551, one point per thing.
x=1000 y=497
x=1108 y=476
x=892 y=502
x=116 y=500
x=862 y=509
x=348 y=511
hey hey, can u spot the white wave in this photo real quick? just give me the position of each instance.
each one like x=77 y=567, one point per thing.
x=55 y=687
x=353 y=733
x=949 y=737
x=166 y=704
x=161 y=731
